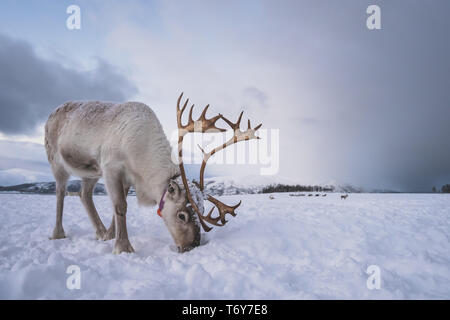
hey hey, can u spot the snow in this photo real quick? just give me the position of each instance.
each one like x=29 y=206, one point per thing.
x=285 y=248
x=198 y=196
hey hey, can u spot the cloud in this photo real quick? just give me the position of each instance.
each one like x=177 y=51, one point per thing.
x=22 y=162
x=13 y=177
x=31 y=87
x=255 y=96
x=369 y=108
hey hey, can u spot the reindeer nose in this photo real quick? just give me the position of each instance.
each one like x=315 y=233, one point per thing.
x=184 y=249
x=180 y=249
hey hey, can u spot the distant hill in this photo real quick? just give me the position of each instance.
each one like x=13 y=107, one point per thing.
x=50 y=187
x=216 y=186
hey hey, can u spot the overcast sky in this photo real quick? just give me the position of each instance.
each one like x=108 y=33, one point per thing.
x=352 y=105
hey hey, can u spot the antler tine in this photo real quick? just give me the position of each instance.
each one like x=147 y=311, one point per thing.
x=190 y=115
x=203 y=115
x=179 y=100
x=238 y=123
x=203 y=150
x=181 y=111
x=223 y=210
x=185 y=105
x=205 y=124
x=234 y=126
x=238 y=136
x=210 y=124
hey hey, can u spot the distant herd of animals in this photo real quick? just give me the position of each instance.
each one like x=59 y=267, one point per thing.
x=343 y=196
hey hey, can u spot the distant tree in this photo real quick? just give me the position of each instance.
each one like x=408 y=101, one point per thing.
x=446 y=188
x=434 y=189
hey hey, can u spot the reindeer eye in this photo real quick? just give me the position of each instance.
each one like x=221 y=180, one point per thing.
x=182 y=217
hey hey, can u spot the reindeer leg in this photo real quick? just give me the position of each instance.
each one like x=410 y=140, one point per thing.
x=111 y=233
x=61 y=177
x=115 y=187
x=87 y=189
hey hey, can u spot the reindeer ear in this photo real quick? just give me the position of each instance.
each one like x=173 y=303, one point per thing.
x=173 y=189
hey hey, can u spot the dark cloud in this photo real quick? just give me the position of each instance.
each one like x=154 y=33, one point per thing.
x=31 y=87
x=369 y=108
x=382 y=97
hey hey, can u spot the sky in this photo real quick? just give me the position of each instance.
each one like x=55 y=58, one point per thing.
x=347 y=105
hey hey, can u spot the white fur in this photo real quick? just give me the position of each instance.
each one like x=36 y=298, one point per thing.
x=127 y=136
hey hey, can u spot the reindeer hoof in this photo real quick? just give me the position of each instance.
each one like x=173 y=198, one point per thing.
x=105 y=235
x=58 y=234
x=123 y=246
x=100 y=235
x=109 y=235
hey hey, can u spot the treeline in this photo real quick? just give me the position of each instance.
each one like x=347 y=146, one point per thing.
x=295 y=188
x=444 y=189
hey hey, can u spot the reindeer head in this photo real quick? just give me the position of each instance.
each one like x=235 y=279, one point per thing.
x=179 y=217
x=188 y=205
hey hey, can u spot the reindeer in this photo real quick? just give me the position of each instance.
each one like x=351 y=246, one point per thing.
x=126 y=145
x=344 y=196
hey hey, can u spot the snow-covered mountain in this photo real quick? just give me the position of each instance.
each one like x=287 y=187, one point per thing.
x=237 y=185
x=250 y=184
x=218 y=186
x=49 y=188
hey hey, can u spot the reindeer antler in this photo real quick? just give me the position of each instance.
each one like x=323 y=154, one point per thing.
x=205 y=125
x=201 y=125
x=223 y=210
x=238 y=136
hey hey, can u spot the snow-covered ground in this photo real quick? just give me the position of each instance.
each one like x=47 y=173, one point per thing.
x=285 y=248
